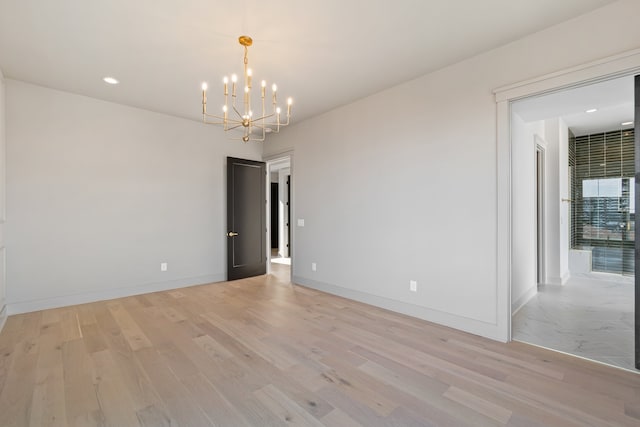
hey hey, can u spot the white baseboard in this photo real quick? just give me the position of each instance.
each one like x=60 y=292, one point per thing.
x=88 y=297
x=557 y=280
x=465 y=324
x=3 y=317
x=520 y=302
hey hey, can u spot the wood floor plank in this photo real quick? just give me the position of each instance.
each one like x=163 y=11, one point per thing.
x=248 y=338
x=131 y=331
x=499 y=360
x=362 y=388
x=338 y=418
x=478 y=404
x=18 y=387
x=81 y=402
x=212 y=402
x=284 y=408
x=173 y=393
x=113 y=396
x=150 y=416
x=70 y=325
x=430 y=393
x=48 y=400
x=212 y=348
x=263 y=351
x=92 y=338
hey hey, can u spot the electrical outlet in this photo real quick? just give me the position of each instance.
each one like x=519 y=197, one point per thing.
x=313 y=266
x=413 y=286
x=163 y=266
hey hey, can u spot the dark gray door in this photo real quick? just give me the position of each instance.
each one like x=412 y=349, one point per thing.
x=246 y=218
x=637 y=236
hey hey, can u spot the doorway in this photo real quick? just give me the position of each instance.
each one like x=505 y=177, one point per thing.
x=584 y=301
x=279 y=173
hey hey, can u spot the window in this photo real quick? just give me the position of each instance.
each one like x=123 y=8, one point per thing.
x=603 y=195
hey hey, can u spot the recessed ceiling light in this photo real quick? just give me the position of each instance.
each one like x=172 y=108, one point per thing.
x=111 y=80
x=593 y=110
x=626 y=123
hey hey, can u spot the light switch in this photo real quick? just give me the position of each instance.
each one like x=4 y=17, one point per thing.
x=300 y=222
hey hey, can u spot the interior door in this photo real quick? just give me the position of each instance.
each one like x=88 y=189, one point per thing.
x=246 y=218
x=637 y=231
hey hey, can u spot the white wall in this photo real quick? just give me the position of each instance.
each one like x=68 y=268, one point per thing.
x=565 y=207
x=557 y=211
x=523 y=279
x=99 y=194
x=412 y=188
x=3 y=282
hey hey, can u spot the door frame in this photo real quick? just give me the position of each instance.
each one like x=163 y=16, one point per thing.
x=540 y=194
x=637 y=230
x=271 y=160
x=620 y=65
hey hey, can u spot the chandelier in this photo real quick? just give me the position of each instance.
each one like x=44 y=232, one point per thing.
x=239 y=115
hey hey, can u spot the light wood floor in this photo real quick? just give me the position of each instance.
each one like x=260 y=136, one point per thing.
x=263 y=352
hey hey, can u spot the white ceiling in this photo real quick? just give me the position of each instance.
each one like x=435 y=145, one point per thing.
x=614 y=100
x=323 y=53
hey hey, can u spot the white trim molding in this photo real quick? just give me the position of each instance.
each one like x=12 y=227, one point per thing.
x=108 y=294
x=3 y=317
x=517 y=305
x=620 y=65
x=467 y=324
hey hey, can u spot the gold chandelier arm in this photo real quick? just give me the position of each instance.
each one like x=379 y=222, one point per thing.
x=262 y=118
x=221 y=118
x=222 y=121
x=237 y=124
x=285 y=123
x=206 y=116
x=234 y=127
x=236 y=110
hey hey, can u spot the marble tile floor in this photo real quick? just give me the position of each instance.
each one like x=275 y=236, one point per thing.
x=283 y=261
x=590 y=316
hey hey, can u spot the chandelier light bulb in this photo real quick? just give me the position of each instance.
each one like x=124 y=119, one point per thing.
x=204 y=86
x=274 y=87
x=263 y=83
x=289 y=101
x=278 y=110
x=249 y=72
x=224 y=108
x=234 y=78
x=225 y=80
x=246 y=89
